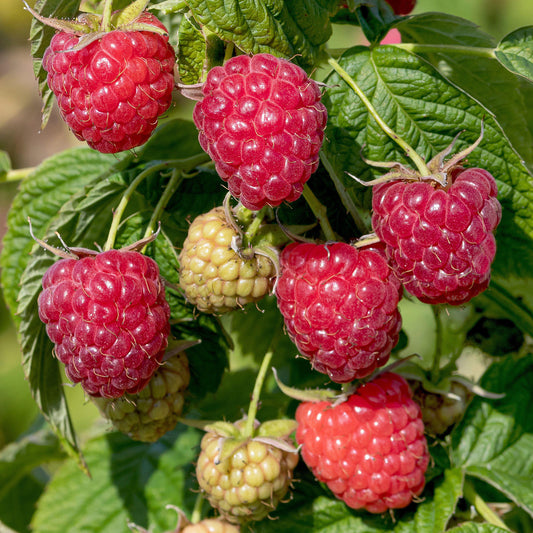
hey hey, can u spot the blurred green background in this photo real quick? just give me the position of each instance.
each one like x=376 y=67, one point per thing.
x=27 y=146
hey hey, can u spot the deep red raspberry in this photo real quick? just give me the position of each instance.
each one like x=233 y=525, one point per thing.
x=370 y=450
x=440 y=241
x=262 y=122
x=111 y=92
x=402 y=7
x=340 y=306
x=108 y=318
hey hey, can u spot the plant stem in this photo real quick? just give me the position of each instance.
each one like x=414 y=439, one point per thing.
x=319 y=210
x=435 y=369
x=106 y=15
x=256 y=394
x=197 y=511
x=344 y=196
x=481 y=507
x=409 y=151
x=17 y=174
x=447 y=48
x=185 y=165
x=252 y=229
x=172 y=186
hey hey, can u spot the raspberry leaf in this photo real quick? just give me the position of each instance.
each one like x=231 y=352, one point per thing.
x=192 y=51
x=494 y=440
x=476 y=527
x=286 y=29
x=136 y=478
x=351 y=127
x=477 y=73
x=515 y=52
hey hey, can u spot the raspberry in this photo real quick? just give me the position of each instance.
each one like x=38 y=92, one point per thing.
x=402 y=7
x=340 y=306
x=149 y=414
x=213 y=276
x=247 y=483
x=108 y=318
x=440 y=240
x=370 y=450
x=262 y=122
x=111 y=92
x=211 y=525
x=440 y=412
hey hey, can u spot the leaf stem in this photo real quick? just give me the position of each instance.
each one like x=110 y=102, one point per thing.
x=319 y=210
x=481 y=506
x=409 y=151
x=342 y=191
x=172 y=186
x=17 y=174
x=185 y=165
x=254 y=402
x=447 y=48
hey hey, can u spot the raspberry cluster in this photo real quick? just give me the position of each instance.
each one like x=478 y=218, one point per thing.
x=112 y=91
x=340 y=306
x=262 y=122
x=439 y=239
x=370 y=450
x=216 y=278
x=109 y=320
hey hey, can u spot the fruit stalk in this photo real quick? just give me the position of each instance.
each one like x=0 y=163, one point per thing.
x=409 y=151
x=319 y=210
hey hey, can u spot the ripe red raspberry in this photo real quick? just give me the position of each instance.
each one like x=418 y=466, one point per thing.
x=262 y=122
x=111 y=91
x=108 y=318
x=370 y=450
x=155 y=410
x=440 y=240
x=340 y=306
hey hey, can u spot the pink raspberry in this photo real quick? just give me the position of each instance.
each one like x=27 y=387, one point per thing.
x=262 y=122
x=112 y=91
x=340 y=306
x=108 y=318
x=439 y=240
x=370 y=450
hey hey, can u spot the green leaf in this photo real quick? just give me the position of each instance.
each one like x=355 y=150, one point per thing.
x=192 y=51
x=40 y=37
x=287 y=29
x=475 y=527
x=131 y=482
x=427 y=112
x=19 y=458
x=515 y=52
x=474 y=70
x=495 y=438
x=40 y=197
x=5 y=165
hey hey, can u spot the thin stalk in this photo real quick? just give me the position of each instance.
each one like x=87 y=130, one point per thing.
x=256 y=394
x=252 y=229
x=409 y=151
x=435 y=369
x=447 y=48
x=105 y=24
x=481 y=506
x=17 y=174
x=197 y=511
x=185 y=165
x=172 y=186
x=319 y=210
x=344 y=196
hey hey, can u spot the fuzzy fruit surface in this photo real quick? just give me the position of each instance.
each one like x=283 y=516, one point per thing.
x=262 y=122
x=247 y=484
x=214 y=277
x=440 y=241
x=370 y=449
x=340 y=306
x=109 y=320
x=402 y=7
x=211 y=525
x=112 y=91
x=155 y=410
